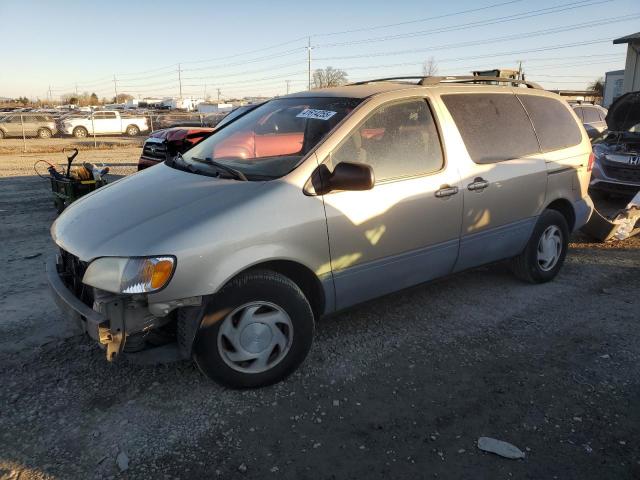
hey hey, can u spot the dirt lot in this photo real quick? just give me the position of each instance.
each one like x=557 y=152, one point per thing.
x=398 y=388
x=15 y=146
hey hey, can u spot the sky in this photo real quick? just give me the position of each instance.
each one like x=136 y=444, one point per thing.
x=253 y=48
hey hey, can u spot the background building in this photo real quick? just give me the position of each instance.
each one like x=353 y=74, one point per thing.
x=632 y=67
x=613 y=83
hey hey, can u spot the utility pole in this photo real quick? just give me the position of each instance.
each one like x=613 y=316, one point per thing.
x=288 y=82
x=115 y=88
x=218 y=95
x=180 y=81
x=520 y=70
x=49 y=96
x=309 y=64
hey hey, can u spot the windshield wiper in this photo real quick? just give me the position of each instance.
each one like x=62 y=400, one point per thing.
x=185 y=165
x=237 y=174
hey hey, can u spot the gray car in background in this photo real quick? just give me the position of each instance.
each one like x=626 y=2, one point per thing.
x=593 y=118
x=30 y=124
x=317 y=201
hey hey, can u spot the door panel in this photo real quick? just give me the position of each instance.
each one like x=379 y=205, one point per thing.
x=391 y=237
x=498 y=219
x=399 y=233
x=503 y=175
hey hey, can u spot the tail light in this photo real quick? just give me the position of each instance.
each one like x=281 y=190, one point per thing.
x=592 y=158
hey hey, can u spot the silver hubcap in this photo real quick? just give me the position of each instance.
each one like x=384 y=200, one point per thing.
x=549 y=248
x=255 y=337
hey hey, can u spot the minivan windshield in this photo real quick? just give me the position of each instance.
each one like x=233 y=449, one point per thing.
x=271 y=140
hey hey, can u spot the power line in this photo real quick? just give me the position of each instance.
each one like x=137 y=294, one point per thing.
x=518 y=36
x=476 y=57
x=426 y=19
x=479 y=23
x=245 y=72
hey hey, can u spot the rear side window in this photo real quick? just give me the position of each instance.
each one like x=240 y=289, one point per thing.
x=554 y=124
x=591 y=114
x=493 y=126
x=578 y=111
x=603 y=113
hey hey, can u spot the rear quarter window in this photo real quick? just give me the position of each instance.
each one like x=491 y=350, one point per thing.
x=554 y=124
x=493 y=126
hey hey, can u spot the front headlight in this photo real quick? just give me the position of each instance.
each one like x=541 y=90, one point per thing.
x=130 y=275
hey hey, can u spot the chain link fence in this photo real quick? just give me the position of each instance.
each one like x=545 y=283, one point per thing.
x=47 y=130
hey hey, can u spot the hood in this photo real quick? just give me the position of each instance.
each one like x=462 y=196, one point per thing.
x=140 y=214
x=178 y=133
x=624 y=112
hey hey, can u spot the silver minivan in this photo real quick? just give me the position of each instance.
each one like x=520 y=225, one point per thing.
x=314 y=202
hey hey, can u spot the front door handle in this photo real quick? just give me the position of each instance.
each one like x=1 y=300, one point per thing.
x=446 y=191
x=478 y=184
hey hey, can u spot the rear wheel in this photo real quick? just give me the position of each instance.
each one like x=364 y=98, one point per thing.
x=44 y=133
x=80 y=132
x=546 y=250
x=1 y=134
x=256 y=331
x=132 y=130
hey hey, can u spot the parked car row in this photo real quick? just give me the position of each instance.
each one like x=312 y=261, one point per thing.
x=81 y=124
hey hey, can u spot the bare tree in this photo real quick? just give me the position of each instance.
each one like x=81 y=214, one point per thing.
x=429 y=67
x=329 y=77
x=122 y=98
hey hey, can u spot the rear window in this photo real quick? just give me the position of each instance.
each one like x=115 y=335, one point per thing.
x=578 y=112
x=603 y=113
x=554 y=124
x=591 y=114
x=493 y=126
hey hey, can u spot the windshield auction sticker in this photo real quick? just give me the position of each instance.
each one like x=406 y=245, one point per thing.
x=316 y=114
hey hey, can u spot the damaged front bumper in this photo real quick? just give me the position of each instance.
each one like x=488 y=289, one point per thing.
x=113 y=318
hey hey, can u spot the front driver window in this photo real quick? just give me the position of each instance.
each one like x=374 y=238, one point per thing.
x=398 y=140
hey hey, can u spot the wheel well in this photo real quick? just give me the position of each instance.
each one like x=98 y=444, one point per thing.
x=564 y=207
x=301 y=276
x=132 y=125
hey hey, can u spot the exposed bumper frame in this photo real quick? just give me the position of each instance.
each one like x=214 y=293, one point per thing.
x=90 y=321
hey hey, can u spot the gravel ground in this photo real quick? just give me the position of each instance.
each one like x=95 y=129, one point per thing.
x=16 y=146
x=400 y=387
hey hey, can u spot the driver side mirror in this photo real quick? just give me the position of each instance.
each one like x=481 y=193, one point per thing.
x=346 y=176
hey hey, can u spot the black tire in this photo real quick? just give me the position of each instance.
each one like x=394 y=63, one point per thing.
x=80 y=132
x=527 y=266
x=253 y=286
x=133 y=131
x=1 y=134
x=44 y=133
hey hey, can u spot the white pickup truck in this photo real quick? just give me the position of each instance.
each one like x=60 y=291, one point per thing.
x=103 y=122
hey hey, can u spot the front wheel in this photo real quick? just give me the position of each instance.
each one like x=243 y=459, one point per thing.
x=546 y=250
x=80 y=132
x=256 y=331
x=44 y=133
x=132 y=130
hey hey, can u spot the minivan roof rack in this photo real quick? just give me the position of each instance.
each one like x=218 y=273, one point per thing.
x=454 y=79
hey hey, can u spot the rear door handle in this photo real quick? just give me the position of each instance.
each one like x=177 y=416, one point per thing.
x=446 y=191
x=478 y=184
